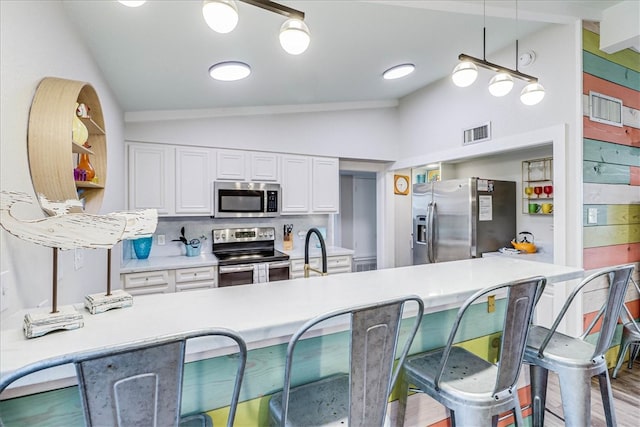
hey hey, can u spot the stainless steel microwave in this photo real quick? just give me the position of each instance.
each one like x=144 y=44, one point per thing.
x=246 y=199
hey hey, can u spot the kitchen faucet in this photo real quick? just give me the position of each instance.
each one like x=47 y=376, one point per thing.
x=307 y=267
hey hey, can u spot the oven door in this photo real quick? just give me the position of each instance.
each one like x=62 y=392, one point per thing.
x=233 y=275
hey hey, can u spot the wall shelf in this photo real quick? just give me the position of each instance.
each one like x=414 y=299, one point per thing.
x=537 y=185
x=51 y=159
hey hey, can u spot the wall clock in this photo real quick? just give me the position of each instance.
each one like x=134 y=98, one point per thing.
x=401 y=184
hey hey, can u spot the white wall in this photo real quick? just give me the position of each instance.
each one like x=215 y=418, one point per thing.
x=370 y=133
x=36 y=42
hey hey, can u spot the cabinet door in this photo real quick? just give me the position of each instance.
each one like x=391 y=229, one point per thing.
x=325 y=187
x=231 y=164
x=296 y=184
x=264 y=167
x=151 y=178
x=193 y=181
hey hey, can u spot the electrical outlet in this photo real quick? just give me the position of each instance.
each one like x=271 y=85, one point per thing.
x=161 y=240
x=592 y=216
x=4 y=291
x=78 y=258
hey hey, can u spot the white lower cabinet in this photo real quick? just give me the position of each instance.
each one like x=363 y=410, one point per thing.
x=167 y=281
x=147 y=282
x=195 y=278
x=335 y=265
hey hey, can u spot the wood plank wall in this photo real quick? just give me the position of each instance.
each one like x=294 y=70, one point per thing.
x=611 y=172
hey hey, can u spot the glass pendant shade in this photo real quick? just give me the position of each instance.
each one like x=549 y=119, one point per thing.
x=294 y=36
x=220 y=15
x=532 y=94
x=132 y=3
x=464 y=74
x=229 y=71
x=501 y=84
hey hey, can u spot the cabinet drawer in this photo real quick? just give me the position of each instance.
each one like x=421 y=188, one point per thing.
x=147 y=278
x=195 y=274
x=201 y=284
x=298 y=264
x=341 y=263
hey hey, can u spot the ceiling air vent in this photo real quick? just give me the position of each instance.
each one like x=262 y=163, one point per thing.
x=476 y=134
x=605 y=109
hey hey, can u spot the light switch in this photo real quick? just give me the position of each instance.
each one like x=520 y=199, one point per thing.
x=592 y=215
x=161 y=240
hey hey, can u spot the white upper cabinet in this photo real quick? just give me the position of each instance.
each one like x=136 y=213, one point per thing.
x=237 y=165
x=231 y=165
x=264 y=167
x=151 y=177
x=325 y=190
x=296 y=184
x=310 y=185
x=193 y=181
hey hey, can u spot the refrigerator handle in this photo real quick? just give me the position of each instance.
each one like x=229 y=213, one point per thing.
x=430 y=233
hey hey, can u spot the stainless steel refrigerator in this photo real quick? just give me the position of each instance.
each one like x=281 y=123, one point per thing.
x=462 y=218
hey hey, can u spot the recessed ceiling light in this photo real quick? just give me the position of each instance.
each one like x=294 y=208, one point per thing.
x=398 y=71
x=229 y=71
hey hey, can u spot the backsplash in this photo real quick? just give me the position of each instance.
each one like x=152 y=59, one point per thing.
x=199 y=226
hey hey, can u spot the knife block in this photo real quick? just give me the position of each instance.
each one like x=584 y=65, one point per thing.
x=287 y=242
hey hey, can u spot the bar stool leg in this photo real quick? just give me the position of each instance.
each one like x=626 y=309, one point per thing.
x=575 y=392
x=623 y=351
x=607 y=399
x=538 y=377
x=403 y=389
x=517 y=410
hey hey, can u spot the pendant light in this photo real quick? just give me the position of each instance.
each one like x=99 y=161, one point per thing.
x=220 y=15
x=466 y=72
x=294 y=36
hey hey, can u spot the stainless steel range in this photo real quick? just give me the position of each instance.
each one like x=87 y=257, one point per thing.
x=247 y=255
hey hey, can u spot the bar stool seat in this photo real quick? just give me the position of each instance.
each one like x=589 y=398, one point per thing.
x=574 y=359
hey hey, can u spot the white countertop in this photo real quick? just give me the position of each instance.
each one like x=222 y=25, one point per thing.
x=536 y=256
x=298 y=252
x=135 y=265
x=266 y=312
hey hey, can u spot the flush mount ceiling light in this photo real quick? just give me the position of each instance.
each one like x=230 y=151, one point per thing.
x=222 y=16
x=229 y=71
x=132 y=3
x=465 y=73
x=398 y=71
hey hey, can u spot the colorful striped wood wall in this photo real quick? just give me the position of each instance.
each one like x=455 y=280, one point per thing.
x=611 y=173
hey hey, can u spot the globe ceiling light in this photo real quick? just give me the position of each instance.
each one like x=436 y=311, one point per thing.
x=501 y=84
x=132 y=3
x=464 y=74
x=532 y=94
x=398 y=71
x=294 y=36
x=220 y=15
x=229 y=71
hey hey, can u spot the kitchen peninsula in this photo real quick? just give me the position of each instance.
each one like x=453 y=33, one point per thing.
x=266 y=314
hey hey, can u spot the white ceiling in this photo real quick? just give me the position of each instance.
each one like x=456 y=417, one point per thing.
x=157 y=56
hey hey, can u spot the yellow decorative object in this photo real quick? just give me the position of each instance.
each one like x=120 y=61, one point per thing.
x=79 y=133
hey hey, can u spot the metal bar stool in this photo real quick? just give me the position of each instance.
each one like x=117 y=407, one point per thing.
x=138 y=383
x=574 y=359
x=630 y=337
x=474 y=390
x=360 y=397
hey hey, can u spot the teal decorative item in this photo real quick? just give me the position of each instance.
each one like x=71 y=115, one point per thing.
x=142 y=247
x=193 y=249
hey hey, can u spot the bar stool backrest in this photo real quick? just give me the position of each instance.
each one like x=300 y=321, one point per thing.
x=138 y=383
x=374 y=337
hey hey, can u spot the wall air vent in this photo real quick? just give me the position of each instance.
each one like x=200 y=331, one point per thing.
x=476 y=134
x=605 y=109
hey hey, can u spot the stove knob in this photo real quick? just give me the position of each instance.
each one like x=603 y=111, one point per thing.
x=216 y=236
x=260 y=234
